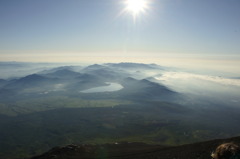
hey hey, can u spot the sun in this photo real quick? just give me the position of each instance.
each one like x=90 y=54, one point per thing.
x=136 y=7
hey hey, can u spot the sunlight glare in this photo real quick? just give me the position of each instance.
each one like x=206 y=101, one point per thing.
x=136 y=6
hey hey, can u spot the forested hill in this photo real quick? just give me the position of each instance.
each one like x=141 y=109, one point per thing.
x=200 y=150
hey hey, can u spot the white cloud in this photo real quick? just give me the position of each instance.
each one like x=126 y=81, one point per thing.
x=189 y=76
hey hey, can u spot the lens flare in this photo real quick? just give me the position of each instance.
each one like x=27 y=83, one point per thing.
x=136 y=7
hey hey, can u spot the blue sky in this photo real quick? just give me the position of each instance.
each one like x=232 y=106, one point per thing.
x=53 y=30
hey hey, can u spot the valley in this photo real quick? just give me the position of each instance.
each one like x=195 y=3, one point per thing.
x=108 y=103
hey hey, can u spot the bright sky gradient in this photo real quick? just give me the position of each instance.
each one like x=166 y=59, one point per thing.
x=74 y=30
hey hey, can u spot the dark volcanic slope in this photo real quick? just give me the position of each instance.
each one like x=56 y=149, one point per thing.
x=136 y=151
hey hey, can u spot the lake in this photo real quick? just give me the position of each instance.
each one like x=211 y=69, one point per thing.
x=111 y=87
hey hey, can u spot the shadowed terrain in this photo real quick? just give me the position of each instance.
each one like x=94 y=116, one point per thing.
x=200 y=150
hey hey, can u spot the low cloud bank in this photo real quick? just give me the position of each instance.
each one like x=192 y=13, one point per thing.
x=189 y=76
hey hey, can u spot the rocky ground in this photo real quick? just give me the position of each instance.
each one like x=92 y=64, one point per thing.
x=135 y=151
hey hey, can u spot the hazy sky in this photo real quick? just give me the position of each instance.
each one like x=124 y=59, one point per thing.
x=74 y=30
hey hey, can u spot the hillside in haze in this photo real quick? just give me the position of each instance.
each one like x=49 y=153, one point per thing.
x=47 y=106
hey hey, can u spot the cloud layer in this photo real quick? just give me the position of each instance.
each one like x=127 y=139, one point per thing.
x=189 y=76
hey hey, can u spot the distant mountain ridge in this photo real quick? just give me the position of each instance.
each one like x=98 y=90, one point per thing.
x=66 y=80
x=133 y=65
x=63 y=73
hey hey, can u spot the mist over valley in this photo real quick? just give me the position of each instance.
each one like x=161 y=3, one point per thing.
x=112 y=102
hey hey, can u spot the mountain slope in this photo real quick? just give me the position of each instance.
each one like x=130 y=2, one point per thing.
x=200 y=150
x=144 y=89
x=64 y=73
x=28 y=81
